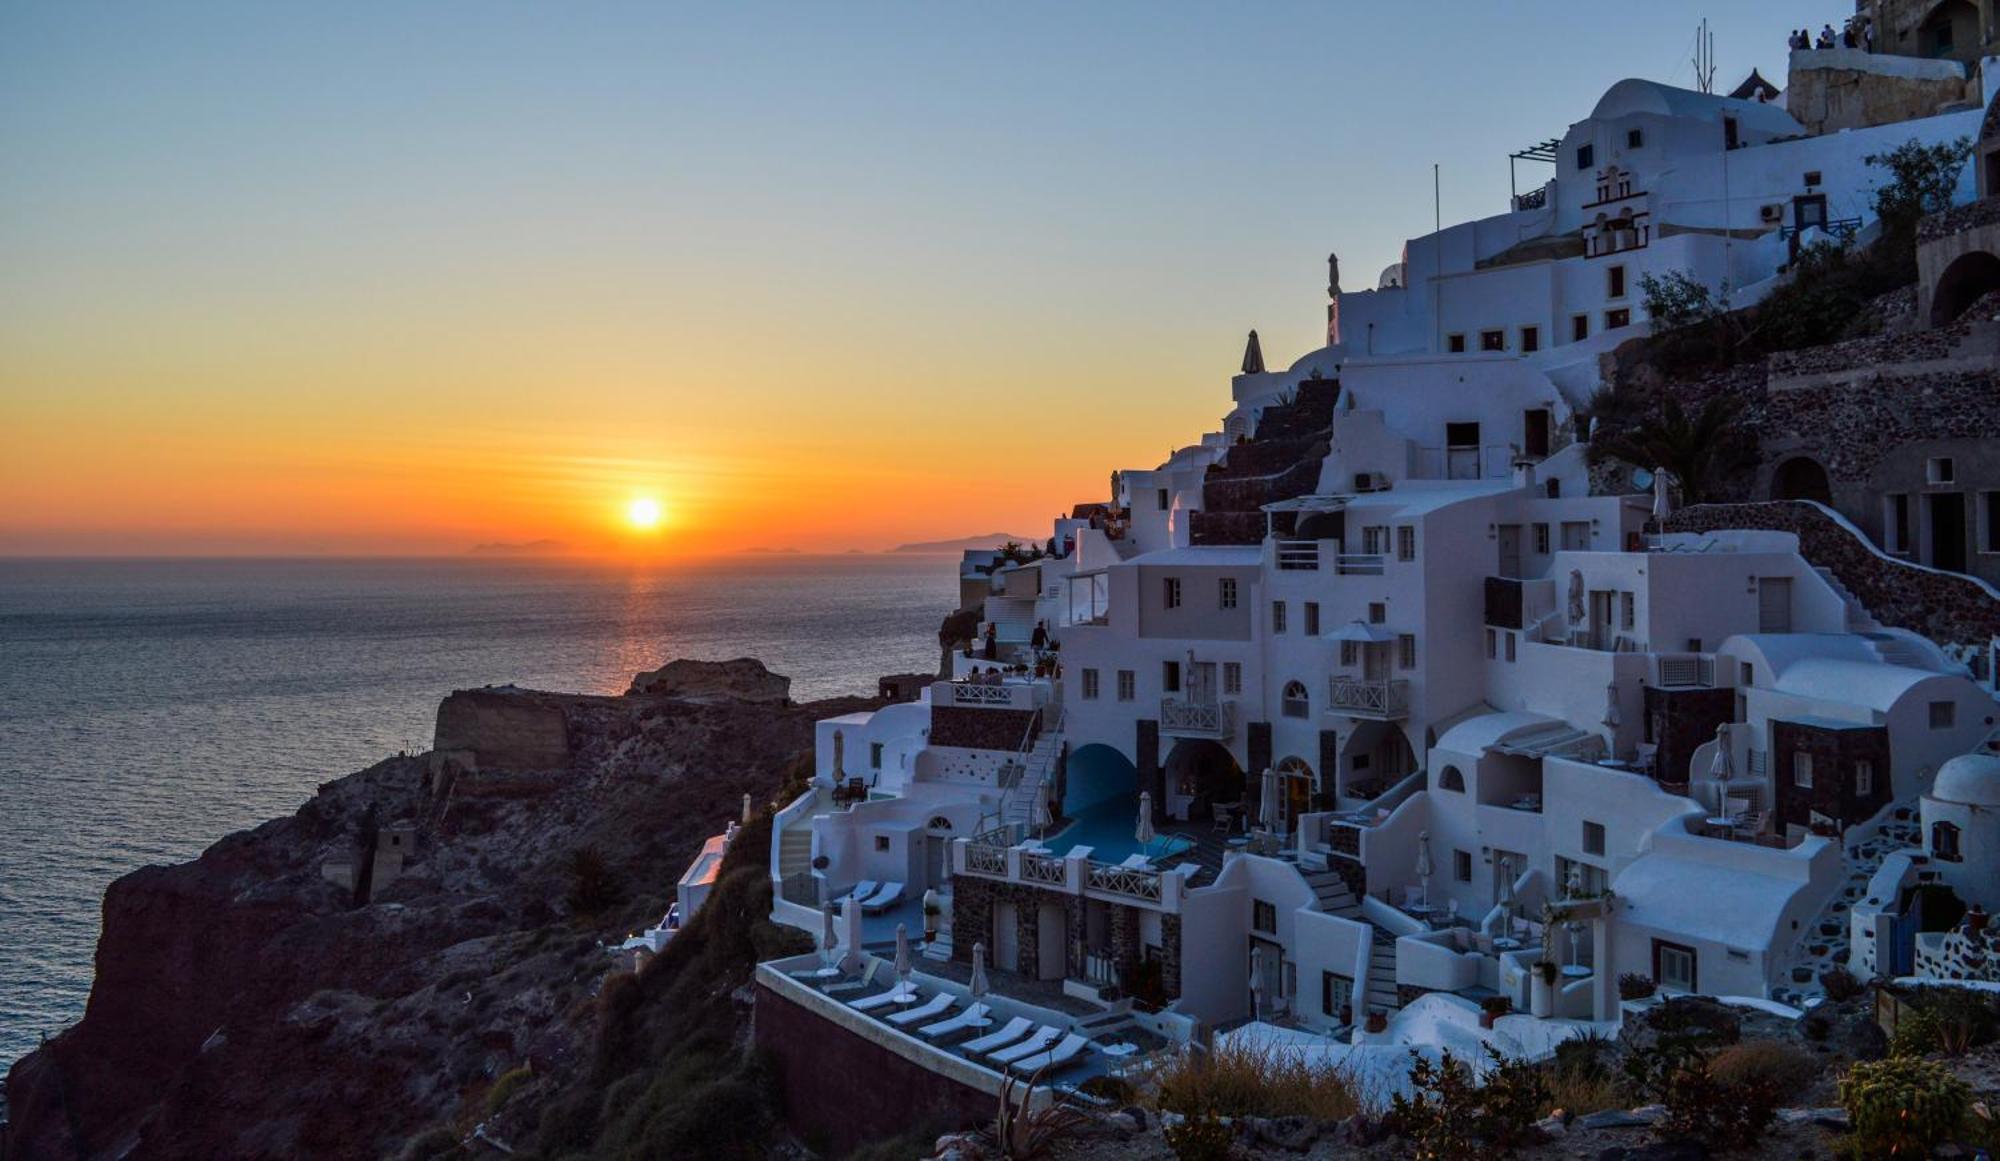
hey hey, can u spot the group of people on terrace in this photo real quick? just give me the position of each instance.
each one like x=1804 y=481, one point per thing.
x=1859 y=33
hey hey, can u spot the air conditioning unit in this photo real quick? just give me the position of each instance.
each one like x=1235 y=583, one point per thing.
x=1371 y=482
x=1771 y=213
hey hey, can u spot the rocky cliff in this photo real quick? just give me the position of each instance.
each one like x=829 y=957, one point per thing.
x=247 y=1006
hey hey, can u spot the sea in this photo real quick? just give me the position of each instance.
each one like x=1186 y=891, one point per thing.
x=150 y=707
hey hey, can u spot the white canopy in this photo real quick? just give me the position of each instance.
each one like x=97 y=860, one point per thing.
x=1362 y=633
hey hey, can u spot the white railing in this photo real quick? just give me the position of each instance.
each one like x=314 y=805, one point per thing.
x=1043 y=869
x=1359 y=564
x=1204 y=719
x=1299 y=555
x=986 y=860
x=967 y=693
x=1128 y=881
x=1680 y=671
x=1374 y=699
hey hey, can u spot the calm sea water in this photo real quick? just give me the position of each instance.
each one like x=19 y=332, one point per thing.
x=148 y=708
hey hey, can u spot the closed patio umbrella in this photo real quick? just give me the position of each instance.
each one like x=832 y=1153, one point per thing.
x=1144 y=831
x=903 y=993
x=1612 y=719
x=1505 y=869
x=1577 y=612
x=979 y=985
x=746 y=810
x=1424 y=863
x=1257 y=983
x=1267 y=810
x=1721 y=770
x=826 y=936
x=1663 y=502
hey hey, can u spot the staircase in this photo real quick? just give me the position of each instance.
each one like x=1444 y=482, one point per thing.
x=1823 y=944
x=1858 y=618
x=1333 y=895
x=1038 y=769
x=1380 y=995
x=795 y=849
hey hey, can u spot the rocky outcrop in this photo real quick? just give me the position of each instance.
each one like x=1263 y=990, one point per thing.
x=246 y=1007
x=743 y=679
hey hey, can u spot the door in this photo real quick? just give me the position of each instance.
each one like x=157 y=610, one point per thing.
x=1052 y=941
x=937 y=866
x=1201 y=682
x=1536 y=443
x=1006 y=938
x=1267 y=967
x=1947 y=530
x=1600 y=620
x=1510 y=550
x=1774 y=604
x=1375 y=661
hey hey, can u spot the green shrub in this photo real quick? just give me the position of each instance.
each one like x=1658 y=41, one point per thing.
x=1677 y=1072
x=1841 y=984
x=1200 y=1138
x=1450 y=1115
x=1788 y=1069
x=1941 y=1018
x=506 y=1086
x=1903 y=1106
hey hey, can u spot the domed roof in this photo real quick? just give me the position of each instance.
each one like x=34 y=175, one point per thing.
x=1970 y=779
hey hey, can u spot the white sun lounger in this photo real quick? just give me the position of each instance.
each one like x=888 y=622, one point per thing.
x=1055 y=1057
x=935 y=1006
x=885 y=897
x=970 y=1018
x=861 y=892
x=877 y=1000
x=1044 y=1036
x=1015 y=1029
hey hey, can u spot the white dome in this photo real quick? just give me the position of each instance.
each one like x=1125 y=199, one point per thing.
x=1969 y=779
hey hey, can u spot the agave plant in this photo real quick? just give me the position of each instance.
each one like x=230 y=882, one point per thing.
x=1024 y=1133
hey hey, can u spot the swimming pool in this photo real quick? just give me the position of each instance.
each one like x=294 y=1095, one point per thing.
x=1109 y=828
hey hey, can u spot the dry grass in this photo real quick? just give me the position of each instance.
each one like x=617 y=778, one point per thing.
x=1786 y=1067
x=1579 y=1091
x=1248 y=1082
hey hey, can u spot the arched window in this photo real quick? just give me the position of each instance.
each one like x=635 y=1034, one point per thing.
x=1296 y=703
x=1944 y=841
x=940 y=823
x=1450 y=778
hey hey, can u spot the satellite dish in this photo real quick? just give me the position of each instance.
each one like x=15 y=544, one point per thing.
x=1642 y=478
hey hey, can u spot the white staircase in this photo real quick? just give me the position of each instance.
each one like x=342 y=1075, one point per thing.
x=1823 y=943
x=1859 y=620
x=1380 y=994
x=1333 y=895
x=1038 y=769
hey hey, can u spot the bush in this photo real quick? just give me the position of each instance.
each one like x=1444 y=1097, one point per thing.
x=1200 y=1138
x=1696 y=1016
x=1788 y=1069
x=1944 y=1019
x=506 y=1086
x=1816 y=1026
x=1840 y=984
x=1634 y=986
x=1240 y=1081
x=591 y=886
x=1701 y=1105
x=1902 y=1106
x=1450 y=1115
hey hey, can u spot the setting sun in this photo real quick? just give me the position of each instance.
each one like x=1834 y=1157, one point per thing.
x=644 y=513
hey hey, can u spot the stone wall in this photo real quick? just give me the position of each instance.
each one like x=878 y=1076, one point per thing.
x=504 y=729
x=1835 y=754
x=1679 y=722
x=1834 y=89
x=1946 y=607
x=841 y=1091
x=982 y=728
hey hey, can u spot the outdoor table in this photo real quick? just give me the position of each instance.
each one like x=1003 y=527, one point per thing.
x=826 y=973
x=1506 y=943
x=1575 y=971
x=1239 y=841
x=1120 y=1049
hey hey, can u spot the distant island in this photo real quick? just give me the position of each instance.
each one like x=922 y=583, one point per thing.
x=990 y=540
x=772 y=551
x=520 y=548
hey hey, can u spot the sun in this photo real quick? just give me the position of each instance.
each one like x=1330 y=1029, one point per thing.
x=644 y=513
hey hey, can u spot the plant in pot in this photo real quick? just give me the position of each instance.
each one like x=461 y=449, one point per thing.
x=1492 y=1008
x=1378 y=1021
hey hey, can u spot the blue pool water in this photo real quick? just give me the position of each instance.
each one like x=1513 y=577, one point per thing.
x=1109 y=828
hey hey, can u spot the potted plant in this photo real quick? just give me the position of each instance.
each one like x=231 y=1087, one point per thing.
x=1378 y=1021
x=1492 y=1008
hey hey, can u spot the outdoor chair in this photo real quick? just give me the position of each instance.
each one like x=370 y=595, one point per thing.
x=1016 y=1028
x=972 y=1017
x=1039 y=1041
x=880 y=999
x=935 y=1006
x=885 y=897
x=862 y=891
x=867 y=977
x=1056 y=1057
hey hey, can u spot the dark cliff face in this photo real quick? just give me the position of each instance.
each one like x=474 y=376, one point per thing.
x=246 y=1006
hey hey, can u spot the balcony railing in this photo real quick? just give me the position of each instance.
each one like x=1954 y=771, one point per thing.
x=966 y=693
x=1043 y=869
x=1359 y=564
x=1534 y=199
x=1129 y=881
x=1197 y=719
x=1386 y=700
x=984 y=860
x=1686 y=670
x=1298 y=555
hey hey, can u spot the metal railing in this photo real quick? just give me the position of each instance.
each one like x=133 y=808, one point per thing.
x=1298 y=555
x=1359 y=563
x=1129 y=881
x=1376 y=699
x=1206 y=719
x=1534 y=199
x=1681 y=671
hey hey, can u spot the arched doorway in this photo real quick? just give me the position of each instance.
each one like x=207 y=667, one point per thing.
x=1095 y=774
x=1969 y=277
x=1296 y=784
x=1375 y=758
x=1801 y=478
x=1201 y=774
x=1951 y=30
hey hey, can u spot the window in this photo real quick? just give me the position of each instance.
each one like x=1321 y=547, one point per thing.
x=1492 y=340
x=1531 y=340
x=1944 y=715
x=1864 y=779
x=1374 y=539
x=1989 y=521
x=1802 y=774
x=1579 y=327
x=1614 y=282
x=1586 y=156
x=1899 y=522
x=1173 y=592
x=1492 y=644
x=1510 y=647
x=1455 y=344
x=874 y=755
x=1378 y=612
x=1451 y=778
x=1406 y=650
x=1312 y=618
x=1170 y=676
x=1944 y=842
x=1406 y=539
x=1542 y=539
x=1635 y=138
x=1162 y=499
x=1336 y=996
x=1673 y=966
x=1553 y=487
x=1461 y=435
x=881 y=842
x=1350 y=654
x=1461 y=866
x=1940 y=470
x=1731 y=136
x=1128 y=685
x=1593 y=838
x=1277 y=616
x=1628 y=610
x=1613 y=319
x=1227 y=592
x=1264 y=916
x=1296 y=703
x=1090 y=685
x=1232 y=677
x=1813 y=178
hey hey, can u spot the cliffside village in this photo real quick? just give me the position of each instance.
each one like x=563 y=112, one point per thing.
x=1386 y=716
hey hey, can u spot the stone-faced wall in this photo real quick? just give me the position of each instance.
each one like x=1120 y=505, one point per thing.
x=1845 y=88
x=841 y=1090
x=1835 y=754
x=980 y=728
x=1679 y=721
x=1945 y=607
x=1170 y=955
x=504 y=729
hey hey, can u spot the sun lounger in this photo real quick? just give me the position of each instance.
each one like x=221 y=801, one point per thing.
x=868 y=1003
x=885 y=897
x=972 y=1017
x=1015 y=1029
x=862 y=891
x=1044 y=1036
x=1055 y=1057
x=867 y=977
x=935 y=1006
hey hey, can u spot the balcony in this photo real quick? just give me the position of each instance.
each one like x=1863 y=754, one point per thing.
x=1194 y=719
x=1298 y=555
x=1359 y=564
x=1380 y=700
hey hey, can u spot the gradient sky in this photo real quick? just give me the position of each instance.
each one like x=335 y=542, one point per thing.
x=403 y=278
